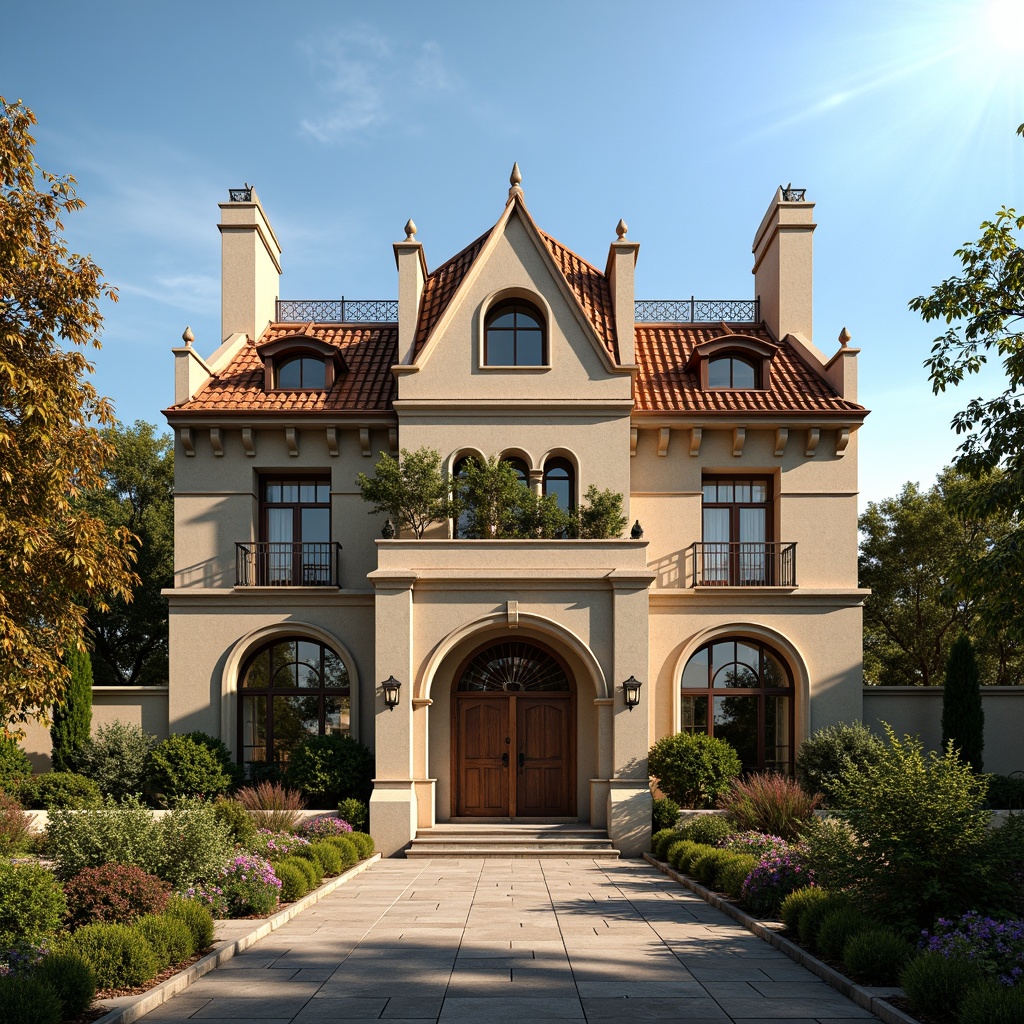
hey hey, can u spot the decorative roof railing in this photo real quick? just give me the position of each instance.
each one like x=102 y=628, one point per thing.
x=385 y=311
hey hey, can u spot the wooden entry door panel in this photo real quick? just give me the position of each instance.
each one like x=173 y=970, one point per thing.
x=545 y=778
x=483 y=769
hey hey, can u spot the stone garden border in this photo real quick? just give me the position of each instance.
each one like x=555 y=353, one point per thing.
x=871 y=999
x=145 y=1002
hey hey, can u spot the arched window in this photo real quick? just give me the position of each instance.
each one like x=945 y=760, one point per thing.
x=732 y=372
x=560 y=480
x=290 y=688
x=301 y=373
x=514 y=335
x=740 y=690
x=520 y=468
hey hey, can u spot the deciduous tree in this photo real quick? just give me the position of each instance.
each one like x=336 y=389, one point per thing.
x=55 y=555
x=411 y=489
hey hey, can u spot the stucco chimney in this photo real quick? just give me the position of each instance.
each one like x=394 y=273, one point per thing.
x=412 y=272
x=621 y=273
x=783 y=262
x=250 y=265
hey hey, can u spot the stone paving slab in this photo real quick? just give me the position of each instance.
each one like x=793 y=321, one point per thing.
x=502 y=941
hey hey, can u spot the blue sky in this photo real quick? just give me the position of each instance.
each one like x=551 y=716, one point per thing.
x=898 y=117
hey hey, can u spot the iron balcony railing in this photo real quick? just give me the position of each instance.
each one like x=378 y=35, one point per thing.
x=285 y=564
x=337 y=311
x=743 y=564
x=693 y=310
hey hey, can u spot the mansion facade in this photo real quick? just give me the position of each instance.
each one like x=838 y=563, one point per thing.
x=733 y=602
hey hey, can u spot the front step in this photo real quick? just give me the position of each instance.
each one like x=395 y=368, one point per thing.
x=563 y=841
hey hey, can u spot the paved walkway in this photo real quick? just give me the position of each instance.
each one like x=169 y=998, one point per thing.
x=496 y=941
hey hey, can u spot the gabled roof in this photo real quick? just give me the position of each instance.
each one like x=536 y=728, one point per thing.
x=368 y=386
x=663 y=384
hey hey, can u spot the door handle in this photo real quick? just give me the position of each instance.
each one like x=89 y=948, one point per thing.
x=522 y=760
x=504 y=759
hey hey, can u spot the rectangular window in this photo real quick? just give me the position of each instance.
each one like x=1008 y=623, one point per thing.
x=295 y=531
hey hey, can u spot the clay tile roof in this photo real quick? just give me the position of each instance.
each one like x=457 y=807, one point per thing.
x=590 y=287
x=369 y=386
x=663 y=385
x=441 y=285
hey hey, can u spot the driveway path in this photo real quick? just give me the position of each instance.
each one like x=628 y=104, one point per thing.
x=501 y=940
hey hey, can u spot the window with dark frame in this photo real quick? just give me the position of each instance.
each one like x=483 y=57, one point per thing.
x=514 y=335
x=732 y=371
x=737 y=531
x=295 y=530
x=301 y=373
x=560 y=480
x=741 y=690
x=291 y=688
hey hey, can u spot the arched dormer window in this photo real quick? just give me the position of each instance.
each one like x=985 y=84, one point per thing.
x=300 y=363
x=732 y=371
x=515 y=335
x=733 y=362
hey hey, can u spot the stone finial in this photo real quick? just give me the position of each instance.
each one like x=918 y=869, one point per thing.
x=410 y=230
x=844 y=337
x=621 y=228
x=515 y=180
x=187 y=336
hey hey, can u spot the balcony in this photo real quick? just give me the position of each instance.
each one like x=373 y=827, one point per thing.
x=283 y=564
x=744 y=564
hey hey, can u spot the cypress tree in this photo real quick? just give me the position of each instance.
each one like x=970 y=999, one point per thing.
x=963 y=718
x=72 y=720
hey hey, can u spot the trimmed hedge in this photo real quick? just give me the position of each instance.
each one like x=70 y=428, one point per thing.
x=28 y=1000
x=120 y=954
x=797 y=903
x=876 y=956
x=303 y=864
x=837 y=928
x=813 y=915
x=937 y=987
x=363 y=843
x=197 y=918
x=294 y=883
x=71 y=978
x=170 y=938
x=734 y=874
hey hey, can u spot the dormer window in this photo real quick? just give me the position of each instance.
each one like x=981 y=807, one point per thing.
x=301 y=373
x=299 y=362
x=732 y=371
x=514 y=335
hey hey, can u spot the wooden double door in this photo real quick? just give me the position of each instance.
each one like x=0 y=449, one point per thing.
x=515 y=755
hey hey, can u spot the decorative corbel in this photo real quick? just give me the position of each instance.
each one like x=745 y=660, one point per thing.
x=332 y=441
x=842 y=440
x=813 y=436
x=696 y=434
x=664 y=436
x=216 y=442
x=364 y=441
x=512 y=610
x=185 y=433
x=781 y=440
x=249 y=441
x=739 y=439
x=392 y=439
x=634 y=435
x=292 y=441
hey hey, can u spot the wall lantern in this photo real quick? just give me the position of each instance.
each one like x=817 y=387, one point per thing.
x=391 y=687
x=631 y=691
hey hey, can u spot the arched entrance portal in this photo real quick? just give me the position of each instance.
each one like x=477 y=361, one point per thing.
x=514 y=724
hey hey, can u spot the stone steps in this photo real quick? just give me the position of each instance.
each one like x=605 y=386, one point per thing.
x=564 y=841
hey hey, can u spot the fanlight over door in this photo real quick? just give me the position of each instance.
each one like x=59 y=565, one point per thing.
x=514 y=666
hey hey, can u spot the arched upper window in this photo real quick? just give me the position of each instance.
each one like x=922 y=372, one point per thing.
x=740 y=690
x=520 y=469
x=290 y=688
x=560 y=480
x=514 y=335
x=732 y=371
x=301 y=373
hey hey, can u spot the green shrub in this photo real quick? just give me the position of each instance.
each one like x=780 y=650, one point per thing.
x=114 y=834
x=796 y=903
x=937 y=987
x=331 y=858
x=922 y=830
x=356 y=813
x=72 y=719
x=271 y=805
x=308 y=869
x=294 y=884
x=191 y=843
x=768 y=802
x=1000 y=889
x=237 y=820
x=15 y=826
x=15 y=767
x=832 y=851
x=710 y=829
x=877 y=956
x=346 y=849
x=735 y=873
x=28 y=1000
x=660 y=841
x=363 y=843
x=815 y=913
x=114 y=892
x=32 y=904
x=331 y=768
x=71 y=978
x=115 y=759
x=197 y=918
x=992 y=1003
x=694 y=769
x=180 y=767
x=707 y=867
x=681 y=853
x=220 y=749
x=308 y=854
x=963 y=717
x=170 y=938
x=121 y=956
x=1005 y=792
x=64 y=791
x=837 y=928
x=825 y=757
x=664 y=814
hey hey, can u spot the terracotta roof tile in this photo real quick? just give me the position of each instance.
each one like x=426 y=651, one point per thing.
x=441 y=285
x=369 y=385
x=664 y=385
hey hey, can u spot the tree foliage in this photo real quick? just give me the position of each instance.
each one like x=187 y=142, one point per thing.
x=72 y=718
x=55 y=556
x=411 y=489
x=137 y=494
x=963 y=717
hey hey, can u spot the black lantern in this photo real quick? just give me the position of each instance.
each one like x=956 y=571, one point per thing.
x=631 y=692
x=391 y=687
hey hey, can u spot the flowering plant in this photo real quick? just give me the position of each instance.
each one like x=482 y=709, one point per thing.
x=774 y=878
x=21 y=958
x=246 y=886
x=755 y=843
x=210 y=895
x=324 y=828
x=994 y=947
x=275 y=845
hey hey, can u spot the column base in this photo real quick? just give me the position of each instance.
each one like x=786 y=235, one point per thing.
x=629 y=816
x=599 y=803
x=393 y=814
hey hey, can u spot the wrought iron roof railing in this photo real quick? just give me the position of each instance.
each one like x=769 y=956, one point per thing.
x=693 y=310
x=337 y=311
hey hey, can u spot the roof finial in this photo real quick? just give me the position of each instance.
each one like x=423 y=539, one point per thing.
x=844 y=337
x=410 y=230
x=187 y=336
x=621 y=228
x=515 y=180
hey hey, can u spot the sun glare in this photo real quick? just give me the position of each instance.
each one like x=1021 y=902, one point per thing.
x=1004 y=25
